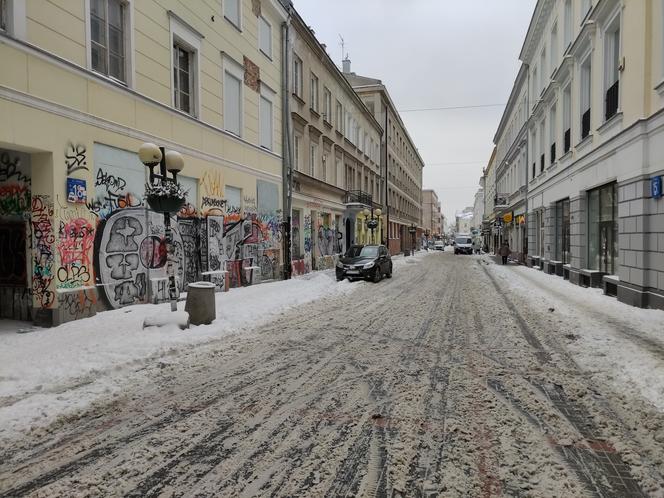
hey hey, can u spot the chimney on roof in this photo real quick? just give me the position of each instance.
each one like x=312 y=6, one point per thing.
x=346 y=65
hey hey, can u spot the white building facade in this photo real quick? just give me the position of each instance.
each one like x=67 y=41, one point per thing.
x=595 y=144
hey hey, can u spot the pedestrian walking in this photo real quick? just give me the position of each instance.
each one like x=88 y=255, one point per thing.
x=504 y=252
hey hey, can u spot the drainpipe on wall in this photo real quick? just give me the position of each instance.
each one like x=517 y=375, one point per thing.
x=287 y=163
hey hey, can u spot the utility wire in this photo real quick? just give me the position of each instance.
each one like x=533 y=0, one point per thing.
x=421 y=109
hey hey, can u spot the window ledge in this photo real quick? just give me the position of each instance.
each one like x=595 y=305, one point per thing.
x=659 y=88
x=314 y=112
x=266 y=55
x=327 y=123
x=232 y=23
x=612 y=122
x=584 y=143
x=298 y=98
x=565 y=156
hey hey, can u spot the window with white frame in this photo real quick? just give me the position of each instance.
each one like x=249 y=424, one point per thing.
x=552 y=134
x=568 y=24
x=611 y=67
x=232 y=12
x=265 y=36
x=553 y=56
x=542 y=65
x=297 y=152
x=340 y=117
x=4 y=16
x=313 y=92
x=297 y=76
x=586 y=75
x=534 y=85
x=542 y=146
x=107 y=37
x=266 y=117
x=183 y=78
x=585 y=8
x=186 y=46
x=323 y=163
x=313 y=158
x=232 y=96
x=327 y=105
x=567 y=118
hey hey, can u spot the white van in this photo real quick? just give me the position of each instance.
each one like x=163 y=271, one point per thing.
x=463 y=244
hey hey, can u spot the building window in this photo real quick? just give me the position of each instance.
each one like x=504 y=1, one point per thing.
x=553 y=57
x=4 y=16
x=552 y=134
x=232 y=12
x=340 y=117
x=297 y=76
x=612 y=68
x=107 y=36
x=567 y=119
x=534 y=88
x=297 y=152
x=543 y=79
x=586 y=74
x=313 y=154
x=602 y=228
x=542 y=147
x=232 y=97
x=323 y=163
x=266 y=117
x=313 y=93
x=327 y=105
x=568 y=24
x=562 y=252
x=183 y=78
x=585 y=9
x=265 y=36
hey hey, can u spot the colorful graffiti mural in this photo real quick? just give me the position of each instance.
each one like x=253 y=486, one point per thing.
x=14 y=185
x=43 y=256
x=75 y=245
x=132 y=256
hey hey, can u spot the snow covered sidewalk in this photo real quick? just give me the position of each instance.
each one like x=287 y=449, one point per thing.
x=621 y=344
x=50 y=372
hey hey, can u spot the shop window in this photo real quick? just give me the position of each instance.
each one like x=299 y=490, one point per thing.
x=602 y=228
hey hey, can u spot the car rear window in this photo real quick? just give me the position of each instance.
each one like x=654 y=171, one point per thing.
x=463 y=240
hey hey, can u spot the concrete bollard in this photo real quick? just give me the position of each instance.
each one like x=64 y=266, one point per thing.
x=200 y=303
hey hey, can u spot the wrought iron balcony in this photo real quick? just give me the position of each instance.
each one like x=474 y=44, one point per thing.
x=359 y=197
x=568 y=140
x=585 y=124
x=611 y=101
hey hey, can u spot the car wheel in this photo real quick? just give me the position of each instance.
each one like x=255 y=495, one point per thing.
x=377 y=275
x=340 y=278
x=389 y=272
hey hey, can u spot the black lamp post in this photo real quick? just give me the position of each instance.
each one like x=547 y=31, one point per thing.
x=413 y=231
x=372 y=221
x=164 y=199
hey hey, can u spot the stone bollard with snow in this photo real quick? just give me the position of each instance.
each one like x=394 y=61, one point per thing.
x=200 y=303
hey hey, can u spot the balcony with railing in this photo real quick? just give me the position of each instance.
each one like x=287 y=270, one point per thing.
x=568 y=140
x=611 y=101
x=585 y=124
x=553 y=152
x=359 y=197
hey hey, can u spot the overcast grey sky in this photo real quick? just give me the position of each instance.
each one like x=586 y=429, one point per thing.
x=434 y=53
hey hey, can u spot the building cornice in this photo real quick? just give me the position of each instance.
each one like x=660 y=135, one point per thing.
x=537 y=23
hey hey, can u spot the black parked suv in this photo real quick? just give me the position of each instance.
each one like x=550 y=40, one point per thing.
x=370 y=262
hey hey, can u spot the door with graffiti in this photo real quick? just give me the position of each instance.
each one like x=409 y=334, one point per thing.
x=15 y=236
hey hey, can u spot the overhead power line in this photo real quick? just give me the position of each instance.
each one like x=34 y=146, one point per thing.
x=450 y=108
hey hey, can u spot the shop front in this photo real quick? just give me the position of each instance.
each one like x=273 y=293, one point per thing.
x=603 y=229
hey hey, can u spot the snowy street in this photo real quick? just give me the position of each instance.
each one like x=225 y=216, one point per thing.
x=457 y=377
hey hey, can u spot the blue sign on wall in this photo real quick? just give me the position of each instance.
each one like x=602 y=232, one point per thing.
x=76 y=190
x=656 y=187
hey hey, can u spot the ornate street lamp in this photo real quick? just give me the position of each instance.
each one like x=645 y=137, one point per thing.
x=372 y=221
x=165 y=195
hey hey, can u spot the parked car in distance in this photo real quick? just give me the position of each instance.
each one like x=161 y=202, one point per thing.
x=439 y=245
x=371 y=262
x=463 y=244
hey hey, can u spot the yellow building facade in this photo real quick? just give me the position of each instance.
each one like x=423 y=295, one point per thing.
x=84 y=84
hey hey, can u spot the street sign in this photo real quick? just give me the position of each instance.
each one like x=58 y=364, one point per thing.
x=656 y=187
x=412 y=229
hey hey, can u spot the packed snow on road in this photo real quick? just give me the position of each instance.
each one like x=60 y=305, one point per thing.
x=457 y=377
